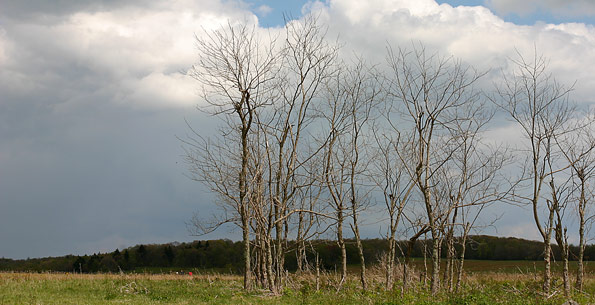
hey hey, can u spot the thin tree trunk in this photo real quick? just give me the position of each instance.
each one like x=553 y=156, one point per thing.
x=410 y=245
x=451 y=270
x=279 y=259
x=581 y=254
x=247 y=270
x=566 y=274
x=244 y=207
x=581 y=232
x=447 y=267
x=435 y=280
x=547 y=273
x=301 y=245
x=341 y=243
x=258 y=259
x=317 y=273
x=452 y=251
x=360 y=250
x=450 y=256
x=269 y=264
x=461 y=260
x=390 y=262
x=425 y=253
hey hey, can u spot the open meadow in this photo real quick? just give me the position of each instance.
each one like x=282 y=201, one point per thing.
x=515 y=283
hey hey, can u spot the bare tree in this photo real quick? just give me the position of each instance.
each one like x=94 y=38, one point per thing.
x=236 y=68
x=351 y=96
x=362 y=89
x=390 y=177
x=335 y=173
x=578 y=148
x=307 y=61
x=538 y=104
x=430 y=90
x=560 y=196
x=472 y=180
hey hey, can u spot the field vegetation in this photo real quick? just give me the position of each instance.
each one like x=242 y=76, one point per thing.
x=513 y=283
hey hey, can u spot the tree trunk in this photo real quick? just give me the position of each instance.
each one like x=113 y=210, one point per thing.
x=566 y=274
x=410 y=245
x=461 y=260
x=435 y=280
x=259 y=259
x=341 y=243
x=246 y=120
x=390 y=262
x=425 y=254
x=547 y=248
x=360 y=250
x=450 y=256
x=279 y=251
x=562 y=240
x=300 y=254
x=246 y=239
x=451 y=252
x=279 y=259
x=317 y=273
x=269 y=264
x=547 y=273
x=581 y=232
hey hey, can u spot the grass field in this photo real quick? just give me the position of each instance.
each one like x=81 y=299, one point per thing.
x=485 y=287
x=525 y=267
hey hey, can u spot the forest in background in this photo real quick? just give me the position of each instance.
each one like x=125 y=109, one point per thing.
x=226 y=256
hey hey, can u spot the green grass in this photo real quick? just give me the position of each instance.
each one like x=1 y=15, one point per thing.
x=479 y=288
x=113 y=289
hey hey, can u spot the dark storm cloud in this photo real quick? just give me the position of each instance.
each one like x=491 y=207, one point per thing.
x=71 y=177
x=103 y=173
x=90 y=106
x=33 y=8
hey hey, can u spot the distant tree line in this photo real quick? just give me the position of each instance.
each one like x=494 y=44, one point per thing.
x=226 y=256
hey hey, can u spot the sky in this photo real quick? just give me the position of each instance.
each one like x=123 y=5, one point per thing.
x=94 y=95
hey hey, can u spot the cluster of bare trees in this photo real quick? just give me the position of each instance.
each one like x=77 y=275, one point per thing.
x=313 y=144
x=558 y=156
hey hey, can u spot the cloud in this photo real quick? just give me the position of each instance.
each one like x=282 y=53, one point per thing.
x=110 y=50
x=264 y=10
x=91 y=99
x=474 y=34
x=560 y=8
x=523 y=230
x=3 y=48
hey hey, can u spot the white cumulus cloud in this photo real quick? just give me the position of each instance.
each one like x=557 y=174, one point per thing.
x=106 y=49
x=474 y=34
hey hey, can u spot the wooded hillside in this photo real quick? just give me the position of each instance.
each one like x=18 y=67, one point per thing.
x=226 y=255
